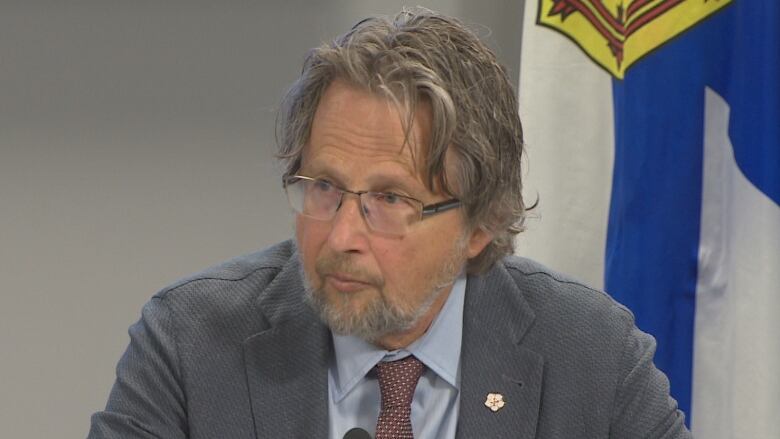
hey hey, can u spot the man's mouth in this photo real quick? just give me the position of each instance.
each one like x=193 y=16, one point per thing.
x=345 y=283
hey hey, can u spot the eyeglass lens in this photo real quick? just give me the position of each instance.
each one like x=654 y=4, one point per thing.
x=383 y=212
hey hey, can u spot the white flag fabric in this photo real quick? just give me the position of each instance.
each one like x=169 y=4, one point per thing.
x=653 y=132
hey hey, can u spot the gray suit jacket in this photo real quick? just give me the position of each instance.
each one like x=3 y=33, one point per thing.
x=233 y=352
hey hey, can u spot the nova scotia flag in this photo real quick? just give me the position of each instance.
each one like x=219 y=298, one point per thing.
x=653 y=132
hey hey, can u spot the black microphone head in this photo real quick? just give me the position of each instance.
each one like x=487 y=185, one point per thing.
x=357 y=433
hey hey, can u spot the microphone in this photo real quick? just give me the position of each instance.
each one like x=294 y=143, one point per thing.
x=357 y=433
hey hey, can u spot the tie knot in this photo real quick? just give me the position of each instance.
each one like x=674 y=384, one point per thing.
x=397 y=381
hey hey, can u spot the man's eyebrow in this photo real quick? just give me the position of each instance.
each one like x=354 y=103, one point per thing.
x=390 y=182
x=376 y=182
x=326 y=172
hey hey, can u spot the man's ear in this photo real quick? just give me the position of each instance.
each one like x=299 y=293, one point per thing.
x=478 y=240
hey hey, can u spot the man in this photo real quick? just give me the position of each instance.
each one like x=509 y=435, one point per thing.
x=397 y=309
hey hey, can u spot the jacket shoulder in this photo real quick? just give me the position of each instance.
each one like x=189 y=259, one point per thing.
x=575 y=326
x=595 y=358
x=227 y=294
x=551 y=292
x=265 y=263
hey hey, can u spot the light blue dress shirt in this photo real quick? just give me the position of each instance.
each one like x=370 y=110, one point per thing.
x=354 y=398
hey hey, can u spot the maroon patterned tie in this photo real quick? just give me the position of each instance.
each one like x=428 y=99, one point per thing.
x=397 y=381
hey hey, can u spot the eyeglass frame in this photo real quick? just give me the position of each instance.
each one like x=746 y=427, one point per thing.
x=425 y=210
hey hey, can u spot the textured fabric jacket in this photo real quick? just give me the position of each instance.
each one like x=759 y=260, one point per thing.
x=234 y=352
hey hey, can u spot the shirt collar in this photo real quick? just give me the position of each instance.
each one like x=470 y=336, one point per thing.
x=438 y=348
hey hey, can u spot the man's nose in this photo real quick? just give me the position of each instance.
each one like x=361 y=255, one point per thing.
x=349 y=230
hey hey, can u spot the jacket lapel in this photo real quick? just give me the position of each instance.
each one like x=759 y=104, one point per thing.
x=493 y=361
x=287 y=364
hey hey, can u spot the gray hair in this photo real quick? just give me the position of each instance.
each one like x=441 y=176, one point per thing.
x=422 y=56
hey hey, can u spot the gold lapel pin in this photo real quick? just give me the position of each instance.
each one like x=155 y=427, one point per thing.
x=495 y=401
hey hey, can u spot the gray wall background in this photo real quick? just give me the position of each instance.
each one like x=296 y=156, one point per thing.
x=136 y=146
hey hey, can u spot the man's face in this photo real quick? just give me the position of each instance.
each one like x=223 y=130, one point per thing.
x=363 y=282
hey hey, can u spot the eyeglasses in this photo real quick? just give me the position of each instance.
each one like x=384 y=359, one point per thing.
x=384 y=212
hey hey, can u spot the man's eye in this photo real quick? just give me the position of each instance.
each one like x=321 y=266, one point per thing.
x=322 y=186
x=389 y=198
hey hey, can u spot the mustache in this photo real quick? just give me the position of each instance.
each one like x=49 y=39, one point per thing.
x=342 y=264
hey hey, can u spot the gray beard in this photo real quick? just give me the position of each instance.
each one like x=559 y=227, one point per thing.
x=380 y=317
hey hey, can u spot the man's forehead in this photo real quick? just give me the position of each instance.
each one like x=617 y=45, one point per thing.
x=352 y=123
x=369 y=113
x=383 y=171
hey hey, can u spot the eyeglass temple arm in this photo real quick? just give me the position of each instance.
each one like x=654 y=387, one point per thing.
x=440 y=207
